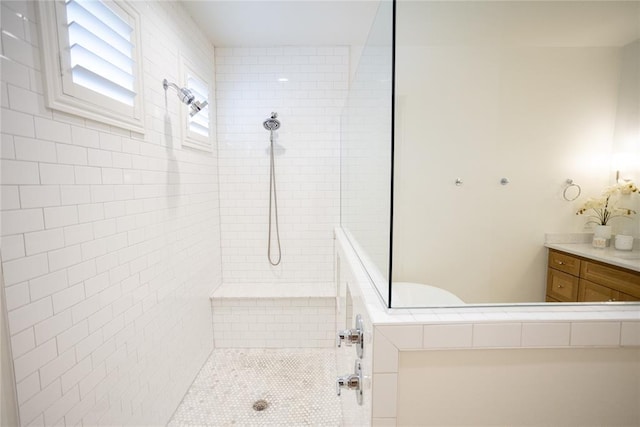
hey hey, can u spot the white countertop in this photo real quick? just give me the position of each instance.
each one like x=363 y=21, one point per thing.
x=624 y=259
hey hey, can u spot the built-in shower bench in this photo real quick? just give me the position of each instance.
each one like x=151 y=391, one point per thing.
x=274 y=315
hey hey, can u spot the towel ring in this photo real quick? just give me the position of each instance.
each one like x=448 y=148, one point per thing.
x=571 y=184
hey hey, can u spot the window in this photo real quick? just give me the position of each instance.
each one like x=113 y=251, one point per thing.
x=199 y=124
x=91 y=52
x=197 y=128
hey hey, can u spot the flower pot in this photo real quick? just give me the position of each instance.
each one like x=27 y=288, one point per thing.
x=602 y=236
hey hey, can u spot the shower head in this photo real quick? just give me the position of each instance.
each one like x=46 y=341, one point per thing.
x=186 y=96
x=272 y=123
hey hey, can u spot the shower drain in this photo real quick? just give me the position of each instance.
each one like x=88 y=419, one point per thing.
x=260 y=405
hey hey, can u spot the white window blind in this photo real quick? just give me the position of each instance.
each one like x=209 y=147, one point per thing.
x=92 y=60
x=199 y=124
x=198 y=130
x=101 y=50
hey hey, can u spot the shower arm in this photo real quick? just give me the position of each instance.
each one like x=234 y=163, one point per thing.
x=183 y=93
x=166 y=84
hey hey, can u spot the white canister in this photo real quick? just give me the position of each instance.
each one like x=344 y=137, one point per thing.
x=623 y=243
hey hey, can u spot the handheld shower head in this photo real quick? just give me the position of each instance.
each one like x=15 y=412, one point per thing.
x=186 y=96
x=272 y=123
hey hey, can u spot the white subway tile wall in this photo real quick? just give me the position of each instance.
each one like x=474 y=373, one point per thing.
x=307 y=87
x=110 y=240
x=274 y=315
x=274 y=322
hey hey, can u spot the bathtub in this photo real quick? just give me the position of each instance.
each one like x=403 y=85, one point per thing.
x=406 y=294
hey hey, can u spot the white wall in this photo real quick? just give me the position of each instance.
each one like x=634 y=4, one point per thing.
x=8 y=399
x=306 y=161
x=482 y=109
x=110 y=241
x=626 y=141
x=569 y=387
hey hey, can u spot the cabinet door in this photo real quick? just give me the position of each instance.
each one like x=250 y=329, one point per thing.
x=562 y=286
x=564 y=262
x=592 y=292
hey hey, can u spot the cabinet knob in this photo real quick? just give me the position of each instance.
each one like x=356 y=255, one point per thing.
x=560 y=286
x=560 y=262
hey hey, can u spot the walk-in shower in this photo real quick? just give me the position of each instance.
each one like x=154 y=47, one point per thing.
x=272 y=124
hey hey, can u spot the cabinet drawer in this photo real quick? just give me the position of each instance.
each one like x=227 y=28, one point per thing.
x=562 y=286
x=593 y=292
x=627 y=297
x=625 y=281
x=564 y=262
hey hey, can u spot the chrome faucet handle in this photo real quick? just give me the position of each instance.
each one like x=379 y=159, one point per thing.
x=351 y=382
x=349 y=336
x=341 y=382
x=353 y=336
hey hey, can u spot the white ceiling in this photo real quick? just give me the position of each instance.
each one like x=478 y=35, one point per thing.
x=234 y=23
x=230 y=23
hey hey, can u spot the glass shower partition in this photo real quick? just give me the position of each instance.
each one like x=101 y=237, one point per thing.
x=366 y=152
x=485 y=109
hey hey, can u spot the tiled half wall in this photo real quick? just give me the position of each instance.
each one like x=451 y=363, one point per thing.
x=569 y=332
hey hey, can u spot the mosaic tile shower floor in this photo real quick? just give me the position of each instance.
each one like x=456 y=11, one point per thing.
x=298 y=385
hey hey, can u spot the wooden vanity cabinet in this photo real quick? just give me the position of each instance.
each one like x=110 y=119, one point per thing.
x=571 y=278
